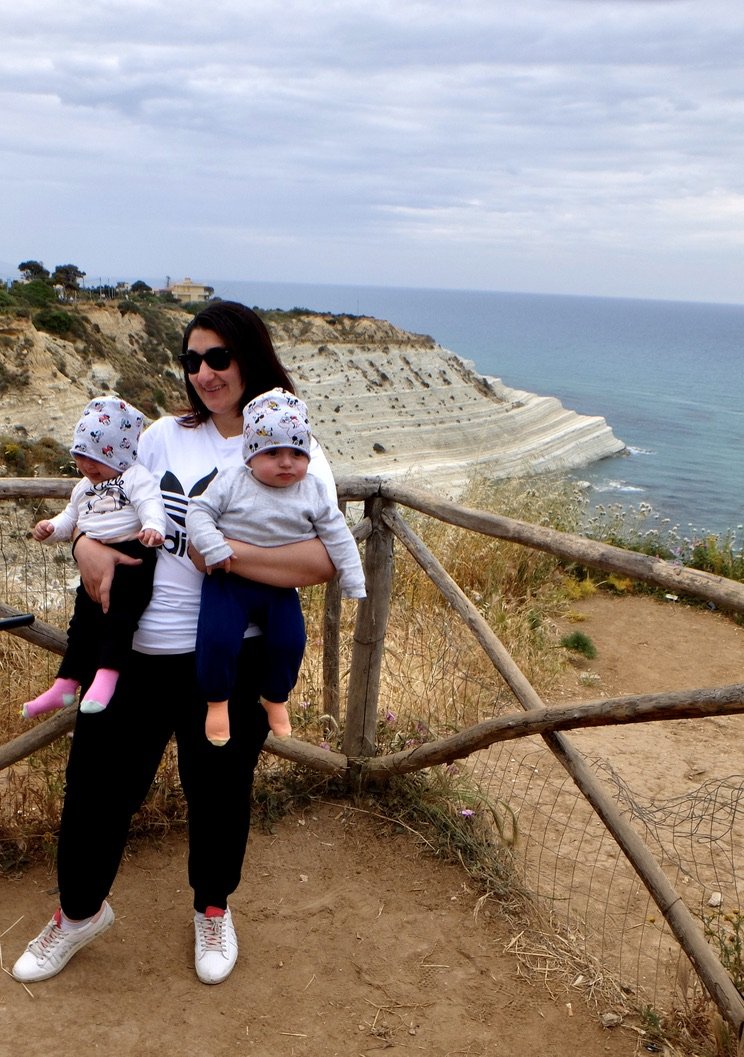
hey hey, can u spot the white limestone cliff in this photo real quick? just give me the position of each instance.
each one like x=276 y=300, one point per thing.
x=382 y=401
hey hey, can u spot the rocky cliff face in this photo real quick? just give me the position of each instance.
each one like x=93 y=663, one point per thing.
x=382 y=401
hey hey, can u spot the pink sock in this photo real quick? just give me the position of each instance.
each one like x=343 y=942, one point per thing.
x=60 y=693
x=100 y=691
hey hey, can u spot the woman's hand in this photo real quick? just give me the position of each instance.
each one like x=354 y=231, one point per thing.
x=97 y=564
x=291 y=565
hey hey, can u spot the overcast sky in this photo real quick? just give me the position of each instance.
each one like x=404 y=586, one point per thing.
x=564 y=146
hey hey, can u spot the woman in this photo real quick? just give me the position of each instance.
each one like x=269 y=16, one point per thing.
x=228 y=359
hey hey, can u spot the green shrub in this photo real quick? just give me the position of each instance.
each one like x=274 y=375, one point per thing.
x=13 y=455
x=578 y=642
x=642 y=530
x=54 y=321
x=726 y=933
x=6 y=378
x=722 y=555
x=165 y=333
x=139 y=390
x=26 y=458
x=36 y=293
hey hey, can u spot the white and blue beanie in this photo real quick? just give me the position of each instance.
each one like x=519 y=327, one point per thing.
x=108 y=431
x=276 y=419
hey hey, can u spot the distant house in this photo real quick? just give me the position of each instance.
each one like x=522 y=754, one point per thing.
x=188 y=290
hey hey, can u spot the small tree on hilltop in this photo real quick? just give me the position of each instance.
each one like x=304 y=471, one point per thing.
x=140 y=287
x=33 y=270
x=67 y=276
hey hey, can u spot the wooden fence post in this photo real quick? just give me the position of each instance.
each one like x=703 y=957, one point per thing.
x=369 y=636
x=332 y=643
x=331 y=649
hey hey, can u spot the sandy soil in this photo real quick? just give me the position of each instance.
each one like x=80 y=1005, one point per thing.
x=647 y=646
x=353 y=940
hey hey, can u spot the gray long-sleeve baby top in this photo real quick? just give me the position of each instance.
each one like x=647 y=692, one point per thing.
x=237 y=506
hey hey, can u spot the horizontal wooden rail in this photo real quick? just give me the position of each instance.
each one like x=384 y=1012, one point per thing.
x=62 y=722
x=325 y=760
x=38 y=736
x=48 y=730
x=358 y=488
x=38 y=633
x=726 y=594
x=36 y=487
x=638 y=708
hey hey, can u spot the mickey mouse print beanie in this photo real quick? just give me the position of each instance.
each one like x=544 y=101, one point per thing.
x=276 y=419
x=108 y=431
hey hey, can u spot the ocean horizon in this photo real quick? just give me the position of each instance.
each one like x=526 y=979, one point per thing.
x=668 y=377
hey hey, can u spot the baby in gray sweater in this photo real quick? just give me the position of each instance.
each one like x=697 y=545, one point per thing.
x=268 y=501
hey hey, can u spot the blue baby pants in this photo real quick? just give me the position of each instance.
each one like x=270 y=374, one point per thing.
x=229 y=603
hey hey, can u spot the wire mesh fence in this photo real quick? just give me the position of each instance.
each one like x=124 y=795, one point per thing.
x=590 y=891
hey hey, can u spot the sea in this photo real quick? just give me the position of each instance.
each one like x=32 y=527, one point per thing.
x=668 y=377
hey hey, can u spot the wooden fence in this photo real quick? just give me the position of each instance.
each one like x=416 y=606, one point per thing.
x=383 y=523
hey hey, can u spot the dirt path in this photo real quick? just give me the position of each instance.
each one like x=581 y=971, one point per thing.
x=647 y=646
x=353 y=941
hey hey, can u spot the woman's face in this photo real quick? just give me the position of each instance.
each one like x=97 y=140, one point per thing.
x=221 y=392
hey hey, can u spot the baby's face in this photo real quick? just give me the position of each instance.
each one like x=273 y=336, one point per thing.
x=95 y=471
x=279 y=467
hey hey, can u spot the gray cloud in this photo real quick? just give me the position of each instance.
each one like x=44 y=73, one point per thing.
x=568 y=145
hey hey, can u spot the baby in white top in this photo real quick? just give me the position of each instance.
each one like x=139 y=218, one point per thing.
x=118 y=503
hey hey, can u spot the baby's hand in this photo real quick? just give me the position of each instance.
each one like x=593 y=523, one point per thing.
x=42 y=530
x=150 y=538
x=224 y=565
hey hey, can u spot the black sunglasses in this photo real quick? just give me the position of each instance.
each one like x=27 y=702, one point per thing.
x=218 y=359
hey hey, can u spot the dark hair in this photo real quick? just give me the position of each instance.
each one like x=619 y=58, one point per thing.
x=245 y=335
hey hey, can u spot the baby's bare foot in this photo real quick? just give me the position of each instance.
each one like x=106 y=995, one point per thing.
x=217 y=727
x=279 y=721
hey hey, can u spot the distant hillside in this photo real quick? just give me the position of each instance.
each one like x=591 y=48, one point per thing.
x=382 y=401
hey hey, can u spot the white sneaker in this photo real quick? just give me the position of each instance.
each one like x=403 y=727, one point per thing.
x=216 y=945
x=52 y=949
